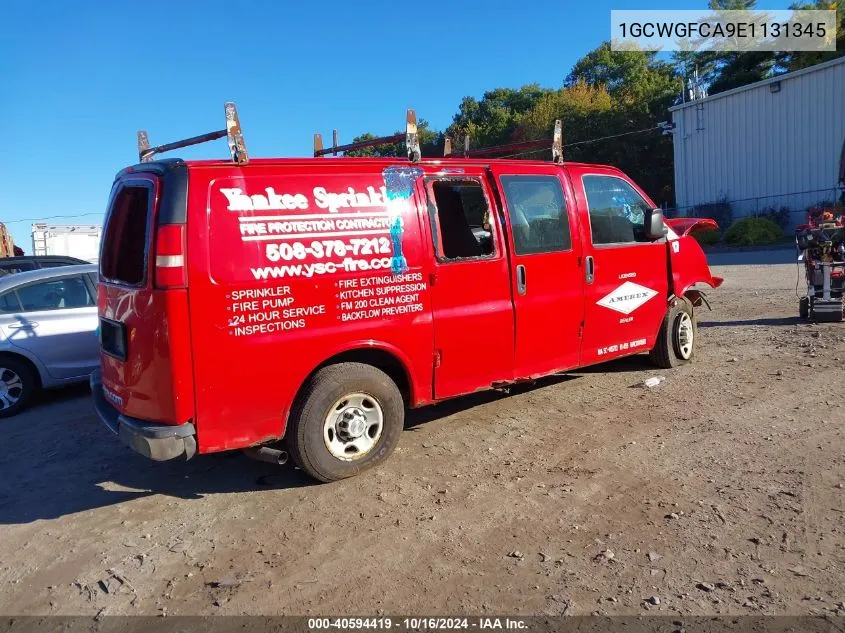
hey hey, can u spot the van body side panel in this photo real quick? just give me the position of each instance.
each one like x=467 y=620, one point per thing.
x=289 y=267
x=546 y=272
x=155 y=382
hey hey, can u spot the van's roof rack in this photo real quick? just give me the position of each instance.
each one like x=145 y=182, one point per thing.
x=412 y=142
x=237 y=145
x=516 y=148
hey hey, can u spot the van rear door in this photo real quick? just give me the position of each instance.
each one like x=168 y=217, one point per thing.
x=143 y=296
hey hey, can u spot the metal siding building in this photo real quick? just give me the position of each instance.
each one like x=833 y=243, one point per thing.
x=775 y=143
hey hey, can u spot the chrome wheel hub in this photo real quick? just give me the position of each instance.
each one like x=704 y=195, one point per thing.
x=685 y=335
x=353 y=426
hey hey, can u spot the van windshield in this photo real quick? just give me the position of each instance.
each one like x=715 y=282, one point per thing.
x=123 y=258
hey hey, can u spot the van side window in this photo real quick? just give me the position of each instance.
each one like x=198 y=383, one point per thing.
x=460 y=219
x=617 y=211
x=538 y=216
x=123 y=256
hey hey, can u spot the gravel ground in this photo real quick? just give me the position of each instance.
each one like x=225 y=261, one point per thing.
x=720 y=491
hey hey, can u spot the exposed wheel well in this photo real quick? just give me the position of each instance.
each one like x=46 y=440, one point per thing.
x=695 y=298
x=23 y=359
x=385 y=361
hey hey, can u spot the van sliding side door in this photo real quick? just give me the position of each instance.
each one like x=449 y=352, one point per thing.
x=470 y=290
x=546 y=279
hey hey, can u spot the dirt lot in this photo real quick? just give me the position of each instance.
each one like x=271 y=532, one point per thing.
x=720 y=491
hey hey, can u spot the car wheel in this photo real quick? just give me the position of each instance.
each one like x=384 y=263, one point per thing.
x=676 y=340
x=18 y=385
x=347 y=420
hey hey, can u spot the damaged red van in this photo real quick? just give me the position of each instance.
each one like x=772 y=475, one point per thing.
x=243 y=302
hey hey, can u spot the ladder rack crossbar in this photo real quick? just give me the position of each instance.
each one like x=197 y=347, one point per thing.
x=383 y=140
x=510 y=147
x=237 y=145
x=148 y=153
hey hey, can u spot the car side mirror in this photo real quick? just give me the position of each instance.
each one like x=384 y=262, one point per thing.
x=655 y=229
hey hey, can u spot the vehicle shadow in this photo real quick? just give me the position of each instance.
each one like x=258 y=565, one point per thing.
x=417 y=417
x=637 y=362
x=777 y=321
x=59 y=460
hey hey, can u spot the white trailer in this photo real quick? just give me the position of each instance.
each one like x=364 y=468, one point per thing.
x=74 y=240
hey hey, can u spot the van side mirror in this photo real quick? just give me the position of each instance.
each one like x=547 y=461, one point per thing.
x=655 y=229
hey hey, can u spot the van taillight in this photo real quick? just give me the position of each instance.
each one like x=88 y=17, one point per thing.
x=171 y=265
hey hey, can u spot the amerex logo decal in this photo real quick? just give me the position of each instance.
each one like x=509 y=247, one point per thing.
x=627 y=297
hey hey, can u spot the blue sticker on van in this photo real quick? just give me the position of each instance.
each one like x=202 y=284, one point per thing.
x=399 y=185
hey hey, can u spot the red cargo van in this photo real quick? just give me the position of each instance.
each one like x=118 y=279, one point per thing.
x=312 y=300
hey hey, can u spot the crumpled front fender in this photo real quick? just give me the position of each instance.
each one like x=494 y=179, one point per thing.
x=689 y=265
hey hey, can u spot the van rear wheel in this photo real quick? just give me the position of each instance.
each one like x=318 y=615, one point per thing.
x=348 y=419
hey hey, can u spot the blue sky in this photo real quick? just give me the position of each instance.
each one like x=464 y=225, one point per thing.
x=80 y=78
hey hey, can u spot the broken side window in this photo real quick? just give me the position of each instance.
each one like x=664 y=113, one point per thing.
x=460 y=219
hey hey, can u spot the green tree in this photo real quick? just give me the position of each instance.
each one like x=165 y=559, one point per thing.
x=429 y=142
x=742 y=68
x=493 y=119
x=583 y=109
x=635 y=77
x=802 y=59
x=723 y=70
x=640 y=87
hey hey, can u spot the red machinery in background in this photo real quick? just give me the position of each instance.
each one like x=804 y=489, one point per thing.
x=821 y=245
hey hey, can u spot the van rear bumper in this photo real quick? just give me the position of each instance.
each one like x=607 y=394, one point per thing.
x=158 y=442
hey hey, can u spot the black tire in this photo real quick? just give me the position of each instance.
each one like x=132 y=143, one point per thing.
x=308 y=438
x=27 y=379
x=670 y=350
x=804 y=307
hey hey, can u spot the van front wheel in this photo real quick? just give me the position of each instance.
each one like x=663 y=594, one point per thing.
x=676 y=340
x=347 y=419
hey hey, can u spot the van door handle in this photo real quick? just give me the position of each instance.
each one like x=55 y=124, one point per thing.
x=520 y=279
x=590 y=269
x=23 y=326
